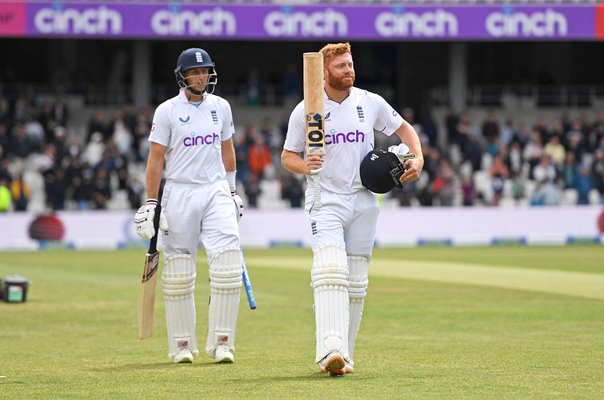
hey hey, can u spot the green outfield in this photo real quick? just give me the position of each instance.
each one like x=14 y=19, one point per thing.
x=510 y=322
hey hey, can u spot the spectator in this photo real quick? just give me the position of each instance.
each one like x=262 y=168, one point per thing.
x=533 y=152
x=468 y=190
x=443 y=185
x=569 y=172
x=584 y=184
x=292 y=190
x=498 y=173
x=545 y=170
x=241 y=152
x=95 y=149
x=555 y=151
x=252 y=190
x=508 y=132
x=513 y=158
x=101 y=193
x=490 y=130
x=597 y=171
x=258 y=157
x=20 y=145
x=56 y=188
x=21 y=193
x=546 y=194
x=97 y=124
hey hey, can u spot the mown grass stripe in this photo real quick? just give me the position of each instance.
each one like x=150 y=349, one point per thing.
x=557 y=282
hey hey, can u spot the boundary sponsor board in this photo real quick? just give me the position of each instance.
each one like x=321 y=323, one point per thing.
x=265 y=228
x=301 y=22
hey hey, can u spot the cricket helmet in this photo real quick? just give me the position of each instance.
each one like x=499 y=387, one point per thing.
x=381 y=171
x=195 y=58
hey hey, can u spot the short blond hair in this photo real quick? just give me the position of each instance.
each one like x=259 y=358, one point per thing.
x=331 y=50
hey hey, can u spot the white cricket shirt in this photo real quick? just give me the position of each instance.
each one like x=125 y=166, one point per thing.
x=193 y=136
x=349 y=136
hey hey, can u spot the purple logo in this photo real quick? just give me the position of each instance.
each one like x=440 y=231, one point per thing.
x=351 y=137
x=200 y=140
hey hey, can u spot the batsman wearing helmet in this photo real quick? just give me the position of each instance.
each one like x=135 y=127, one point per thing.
x=343 y=229
x=192 y=134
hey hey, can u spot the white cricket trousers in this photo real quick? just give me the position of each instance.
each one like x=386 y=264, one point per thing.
x=348 y=220
x=193 y=210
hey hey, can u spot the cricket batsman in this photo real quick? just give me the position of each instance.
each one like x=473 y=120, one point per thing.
x=192 y=133
x=343 y=230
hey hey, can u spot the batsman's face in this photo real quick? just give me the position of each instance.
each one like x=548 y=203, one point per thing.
x=197 y=78
x=340 y=72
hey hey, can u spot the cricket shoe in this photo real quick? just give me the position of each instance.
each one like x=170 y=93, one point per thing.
x=224 y=355
x=349 y=368
x=184 y=356
x=334 y=364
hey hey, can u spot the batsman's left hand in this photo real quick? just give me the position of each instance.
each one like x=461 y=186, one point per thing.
x=413 y=169
x=143 y=220
x=238 y=205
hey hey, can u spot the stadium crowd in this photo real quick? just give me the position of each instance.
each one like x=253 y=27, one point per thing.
x=486 y=162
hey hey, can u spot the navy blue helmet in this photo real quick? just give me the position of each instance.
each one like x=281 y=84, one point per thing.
x=195 y=58
x=381 y=171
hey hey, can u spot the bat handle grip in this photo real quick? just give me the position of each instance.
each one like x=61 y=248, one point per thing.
x=316 y=177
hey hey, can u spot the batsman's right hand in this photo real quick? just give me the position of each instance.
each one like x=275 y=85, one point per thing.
x=143 y=220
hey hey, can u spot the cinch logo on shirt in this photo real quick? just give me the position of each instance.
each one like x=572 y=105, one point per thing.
x=200 y=140
x=351 y=137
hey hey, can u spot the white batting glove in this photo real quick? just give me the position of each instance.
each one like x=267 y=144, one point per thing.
x=143 y=220
x=238 y=205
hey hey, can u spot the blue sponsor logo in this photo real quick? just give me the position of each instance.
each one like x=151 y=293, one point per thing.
x=200 y=140
x=334 y=137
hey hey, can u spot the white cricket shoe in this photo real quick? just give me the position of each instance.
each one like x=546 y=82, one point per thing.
x=224 y=354
x=184 y=356
x=334 y=364
x=349 y=368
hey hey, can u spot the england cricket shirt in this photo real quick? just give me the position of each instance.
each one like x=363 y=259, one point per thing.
x=349 y=136
x=193 y=136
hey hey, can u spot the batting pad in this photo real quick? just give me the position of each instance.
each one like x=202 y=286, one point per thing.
x=225 y=285
x=359 y=267
x=178 y=283
x=329 y=277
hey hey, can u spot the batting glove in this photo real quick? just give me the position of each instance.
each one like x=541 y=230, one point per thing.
x=238 y=205
x=143 y=220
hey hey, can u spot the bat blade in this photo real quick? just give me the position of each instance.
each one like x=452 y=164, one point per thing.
x=146 y=304
x=314 y=109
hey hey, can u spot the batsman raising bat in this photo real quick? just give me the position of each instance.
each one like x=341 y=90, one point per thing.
x=343 y=229
x=192 y=133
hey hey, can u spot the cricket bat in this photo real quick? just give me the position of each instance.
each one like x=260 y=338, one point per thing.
x=314 y=111
x=247 y=284
x=147 y=295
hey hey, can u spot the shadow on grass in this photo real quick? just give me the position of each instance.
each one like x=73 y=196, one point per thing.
x=152 y=366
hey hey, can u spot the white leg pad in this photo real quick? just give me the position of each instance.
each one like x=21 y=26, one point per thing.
x=329 y=277
x=225 y=286
x=359 y=266
x=178 y=284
